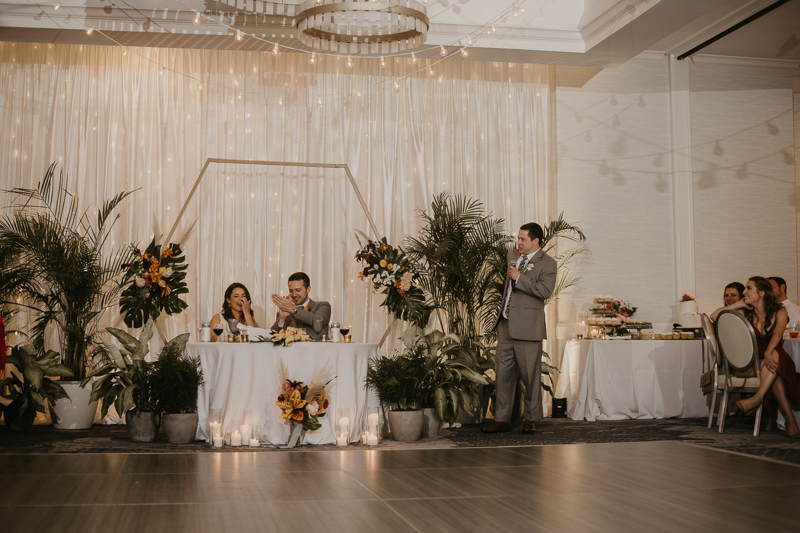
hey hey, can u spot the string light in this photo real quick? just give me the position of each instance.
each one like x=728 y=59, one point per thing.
x=200 y=86
x=383 y=62
x=56 y=7
x=413 y=57
x=349 y=62
x=469 y=41
x=464 y=52
x=396 y=85
x=430 y=71
x=313 y=58
x=442 y=50
x=319 y=101
x=275 y=50
x=89 y=30
x=239 y=36
x=240 y=96
x=196 y=18
x=358 y=93
x=125 y=51
x=494 y=28
x=280 y=101
x=161 y=71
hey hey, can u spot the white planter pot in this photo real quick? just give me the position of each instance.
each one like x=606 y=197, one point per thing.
x=406 y=425
x=430 y=423
x=74 y=412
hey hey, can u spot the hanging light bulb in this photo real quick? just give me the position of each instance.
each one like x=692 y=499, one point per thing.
x=522 y=10
x=469 y=41
x=464 y=52
x=319 y=101
x=494 y=28
x=240 y=95
x=161 y=71
x=413 y=57
x=56 y=7
x=383 y=62
x=430 y=71
x=442 y=50
x=396 y=85
x=358 y=93
x=200 y=86
x=516 y=13
x=280 y=101
x=275 y=50
x=349 y=62
x=125 y=51
x=239 y=36
x=89 y=30
x=313 y=58
x=196 y=18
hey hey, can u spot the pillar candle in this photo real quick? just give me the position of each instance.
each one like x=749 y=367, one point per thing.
x=236 y=439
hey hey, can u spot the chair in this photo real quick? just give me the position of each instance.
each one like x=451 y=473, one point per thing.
x=715 y=362
x=737 y=342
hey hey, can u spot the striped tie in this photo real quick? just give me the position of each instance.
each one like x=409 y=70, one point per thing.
x=521 y=268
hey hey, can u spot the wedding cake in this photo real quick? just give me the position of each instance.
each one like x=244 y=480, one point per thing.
x=688 y=316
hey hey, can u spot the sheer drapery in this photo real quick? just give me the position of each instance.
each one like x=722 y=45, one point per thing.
x=116 y=123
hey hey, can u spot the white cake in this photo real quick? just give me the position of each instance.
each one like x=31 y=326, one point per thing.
x=687 y=314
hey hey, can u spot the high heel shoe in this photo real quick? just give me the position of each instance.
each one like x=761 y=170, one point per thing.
x=745 y=411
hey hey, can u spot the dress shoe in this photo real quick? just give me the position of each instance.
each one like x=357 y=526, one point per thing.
x=528 y=427
x=498 y=427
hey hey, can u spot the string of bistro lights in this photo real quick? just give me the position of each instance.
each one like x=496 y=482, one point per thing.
x=444 y=51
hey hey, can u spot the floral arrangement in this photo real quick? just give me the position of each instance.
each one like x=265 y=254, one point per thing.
x=155 y=280
x=687 y=298
x=622 y=308
x=301 y=403
x=387 y=267
x=290 y=335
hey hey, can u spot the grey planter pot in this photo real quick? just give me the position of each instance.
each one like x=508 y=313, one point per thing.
x=406 y=425
x=430 y=423
x=141 y=427
x=181 y=428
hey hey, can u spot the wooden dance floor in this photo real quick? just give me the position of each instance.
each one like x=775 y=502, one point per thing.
x=640 y=486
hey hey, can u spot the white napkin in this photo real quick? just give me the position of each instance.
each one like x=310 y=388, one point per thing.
x=254 y=333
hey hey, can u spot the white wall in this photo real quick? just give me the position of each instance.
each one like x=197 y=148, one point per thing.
x=614 y=178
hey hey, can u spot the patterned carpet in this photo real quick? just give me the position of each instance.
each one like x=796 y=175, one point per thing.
x=738 y=437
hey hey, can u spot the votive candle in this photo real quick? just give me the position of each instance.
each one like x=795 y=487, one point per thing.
x=236 y=439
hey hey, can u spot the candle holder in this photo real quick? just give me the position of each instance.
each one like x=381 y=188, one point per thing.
x=343 y=426
x=373 y=426
x=247 y=425
x=233 y=428
x=214 y=425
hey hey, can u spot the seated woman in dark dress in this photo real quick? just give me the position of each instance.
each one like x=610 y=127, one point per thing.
x=779 y=378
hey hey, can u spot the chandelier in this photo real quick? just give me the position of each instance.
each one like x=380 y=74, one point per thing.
x=362 y=26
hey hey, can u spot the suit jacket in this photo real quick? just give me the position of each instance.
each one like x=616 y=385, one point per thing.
x=533 y=287
x=304 y=319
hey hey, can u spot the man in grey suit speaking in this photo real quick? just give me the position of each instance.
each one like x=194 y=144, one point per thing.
x=521 y=328
x=298 y=310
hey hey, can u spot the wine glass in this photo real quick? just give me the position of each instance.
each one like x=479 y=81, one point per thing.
x=218 y=329
x=317 y=326
x=344 y=330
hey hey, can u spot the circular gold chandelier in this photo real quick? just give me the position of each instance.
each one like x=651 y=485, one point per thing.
x=363 y=26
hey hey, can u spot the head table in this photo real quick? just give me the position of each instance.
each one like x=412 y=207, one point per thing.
x=241 y=376
x=619 y=379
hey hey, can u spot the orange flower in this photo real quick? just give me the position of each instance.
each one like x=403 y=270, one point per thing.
x=155 y=277
x=383 y=263
x=146 y=256
x=398 y=283
x=298 y=415
x=384 y=247
x=167 y=252
x=361 y=276
x=165 y=291
x=154 y=266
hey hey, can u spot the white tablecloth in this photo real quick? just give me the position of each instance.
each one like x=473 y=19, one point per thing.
x=792 y=347
x=246 y=376
x=615 y=380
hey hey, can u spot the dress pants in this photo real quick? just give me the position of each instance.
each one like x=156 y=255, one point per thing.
x=527 y=355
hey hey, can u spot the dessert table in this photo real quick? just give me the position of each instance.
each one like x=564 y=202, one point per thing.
x=620 y=379
x=246 y=376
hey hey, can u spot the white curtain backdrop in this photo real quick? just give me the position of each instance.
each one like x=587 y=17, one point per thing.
x=115 y=123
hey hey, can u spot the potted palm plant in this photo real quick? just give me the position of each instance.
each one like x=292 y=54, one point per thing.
x=174 y=383
x=56 y=267
x=396 y=380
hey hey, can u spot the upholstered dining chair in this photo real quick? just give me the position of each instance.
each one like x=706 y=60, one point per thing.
x=737 y=342
x=715 y=364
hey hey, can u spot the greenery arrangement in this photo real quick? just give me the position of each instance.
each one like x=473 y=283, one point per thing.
x=175 y=380
x=396 y=380
x=388 y=267
x=126 y=379
x=54 y=265
x=35 y=386
x=155 y=280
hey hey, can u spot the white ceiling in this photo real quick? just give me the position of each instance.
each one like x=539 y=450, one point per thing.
x=595 y=33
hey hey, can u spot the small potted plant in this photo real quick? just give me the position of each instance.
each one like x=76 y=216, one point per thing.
x=396 y=380
x=174 y=384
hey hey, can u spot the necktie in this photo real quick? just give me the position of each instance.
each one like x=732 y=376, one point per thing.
x=521 y=268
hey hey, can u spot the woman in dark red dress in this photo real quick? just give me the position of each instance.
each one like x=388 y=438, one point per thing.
x=779 y=377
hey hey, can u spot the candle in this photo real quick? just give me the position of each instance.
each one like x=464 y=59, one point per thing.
x=217 y=441
x=247 y=431
x=364 y=438
x=236 y=439
x=372 y=439
x=373 y=418
x=254 y=443
x=341 y=441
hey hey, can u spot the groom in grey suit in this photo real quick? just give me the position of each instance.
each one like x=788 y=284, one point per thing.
x=521 y=328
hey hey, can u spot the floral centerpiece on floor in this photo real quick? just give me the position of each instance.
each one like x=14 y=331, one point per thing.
x=156 y=278
x=301 y=403
x=387 y=267
x=290 y=335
